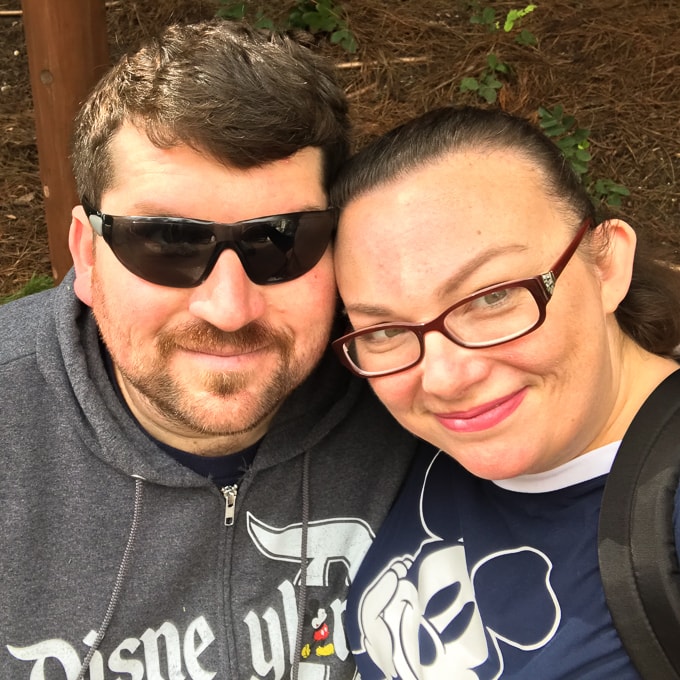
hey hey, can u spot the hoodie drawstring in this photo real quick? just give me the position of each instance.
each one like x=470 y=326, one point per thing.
x=120 y=578
x=302 y=588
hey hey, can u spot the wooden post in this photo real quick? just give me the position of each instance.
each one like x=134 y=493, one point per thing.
x=67 y=48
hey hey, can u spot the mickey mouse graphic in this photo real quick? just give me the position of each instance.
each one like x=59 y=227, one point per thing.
x=316 y=618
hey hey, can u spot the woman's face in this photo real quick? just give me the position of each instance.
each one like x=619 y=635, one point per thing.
x=409 y=249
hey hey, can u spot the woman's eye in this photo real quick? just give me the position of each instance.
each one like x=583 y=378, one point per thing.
x=501 y=301
x=494 y=298
x=382 y=335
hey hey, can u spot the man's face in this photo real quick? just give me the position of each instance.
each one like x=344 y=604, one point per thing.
x=205 y=369
x=412 y=247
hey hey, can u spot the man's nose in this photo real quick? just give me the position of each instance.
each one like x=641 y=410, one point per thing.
x=228 y=299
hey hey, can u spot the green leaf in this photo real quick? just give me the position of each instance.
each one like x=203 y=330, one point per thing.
x=490 y=81
x=610 y=192
x=234 y=10
x=469 y=85
x=312 y=21
x=552 y=128
x=546 y=120
x=515 y=15
x=510 y=19
x=568 y=121
x=582 y=155
x=608 y=186
x=495 y=64
x=487 y=17
x=526 y=38
x=345 y=38
x=264 y=22
x=566 y=145
x=488 y=93
x=578 y=167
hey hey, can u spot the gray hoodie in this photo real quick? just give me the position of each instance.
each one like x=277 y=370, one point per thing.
x=114 y=555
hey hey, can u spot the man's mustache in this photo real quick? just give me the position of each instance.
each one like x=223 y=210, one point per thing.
x=204 y=337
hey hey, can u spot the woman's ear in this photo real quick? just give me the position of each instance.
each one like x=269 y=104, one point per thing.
x=81 y=245
x=615 y=262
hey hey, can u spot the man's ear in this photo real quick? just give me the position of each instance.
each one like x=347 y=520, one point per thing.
x=615 y=263
x=81 y=244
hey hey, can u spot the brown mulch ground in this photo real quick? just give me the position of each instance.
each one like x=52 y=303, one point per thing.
x=613 y=64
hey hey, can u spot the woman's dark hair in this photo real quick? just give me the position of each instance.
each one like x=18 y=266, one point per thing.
x=650 y=312
x=243 y=96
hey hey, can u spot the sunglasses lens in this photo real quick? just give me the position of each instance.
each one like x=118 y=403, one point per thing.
x=163 y=252
x=314 y=234
x=285 y=248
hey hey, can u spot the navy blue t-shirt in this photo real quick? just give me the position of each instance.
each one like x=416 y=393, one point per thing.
x=481 y=580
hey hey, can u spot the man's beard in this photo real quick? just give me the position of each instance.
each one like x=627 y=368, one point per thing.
x=171 y=400
x=227 y=407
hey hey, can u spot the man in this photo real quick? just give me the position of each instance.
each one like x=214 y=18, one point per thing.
x=184 y=495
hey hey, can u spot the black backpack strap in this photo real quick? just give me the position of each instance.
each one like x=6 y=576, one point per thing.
x=638 y=561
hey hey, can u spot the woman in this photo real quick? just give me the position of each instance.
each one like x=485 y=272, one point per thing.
x=500 y=320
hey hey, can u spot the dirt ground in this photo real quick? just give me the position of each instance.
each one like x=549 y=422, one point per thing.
x=613 y=64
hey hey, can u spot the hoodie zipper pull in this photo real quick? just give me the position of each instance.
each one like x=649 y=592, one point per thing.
x=229 y=492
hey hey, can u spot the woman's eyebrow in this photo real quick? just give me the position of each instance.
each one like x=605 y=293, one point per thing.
x=445 y=289
x=369 y=309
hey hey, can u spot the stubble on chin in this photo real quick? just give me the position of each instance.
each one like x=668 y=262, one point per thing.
x=217 y=403
x=207 y=402
x=232 y=403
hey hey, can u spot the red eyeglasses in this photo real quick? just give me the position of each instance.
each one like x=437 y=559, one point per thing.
x=491 y=316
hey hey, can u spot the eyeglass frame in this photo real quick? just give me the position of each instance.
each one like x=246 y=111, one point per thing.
x=541 y=288
x=103 y=224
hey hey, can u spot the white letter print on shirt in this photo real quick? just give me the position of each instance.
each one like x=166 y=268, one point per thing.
x=408 y=631
x=197 y=637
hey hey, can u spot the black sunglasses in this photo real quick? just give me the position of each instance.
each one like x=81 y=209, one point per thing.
x=181 y=253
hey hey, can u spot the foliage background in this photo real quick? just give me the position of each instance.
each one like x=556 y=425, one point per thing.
x=613 y=64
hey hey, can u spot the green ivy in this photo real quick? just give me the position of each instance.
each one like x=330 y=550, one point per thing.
x=487 y=85
x=315 y=16
x=574 y=143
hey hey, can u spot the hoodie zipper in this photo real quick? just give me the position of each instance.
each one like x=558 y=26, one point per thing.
x=229 y=492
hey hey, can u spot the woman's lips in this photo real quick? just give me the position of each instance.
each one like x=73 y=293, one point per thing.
x=482 y=417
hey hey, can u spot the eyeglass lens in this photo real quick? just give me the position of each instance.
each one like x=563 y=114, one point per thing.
x=481 y=321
